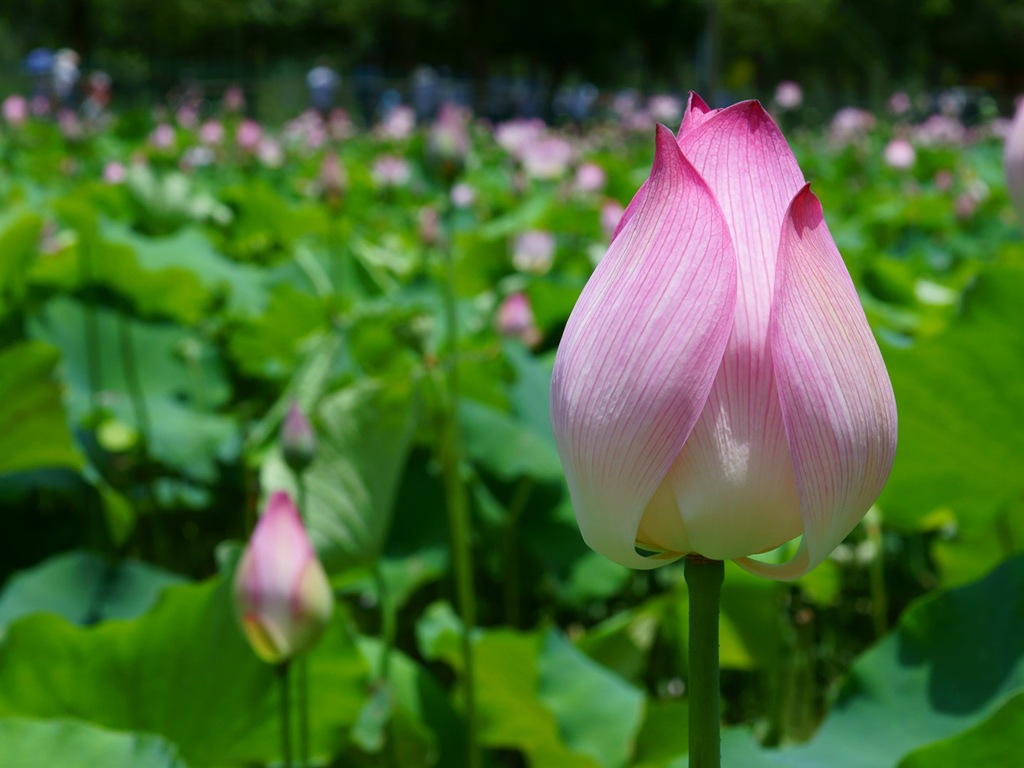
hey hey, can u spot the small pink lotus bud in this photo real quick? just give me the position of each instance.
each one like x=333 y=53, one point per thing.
x=391 y=171
x=298 y=439
x=282 y=596
x=463 y=195
x=547 y=157
x=163 y=137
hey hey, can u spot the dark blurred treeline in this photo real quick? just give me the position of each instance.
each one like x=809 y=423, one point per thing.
x=852 y=48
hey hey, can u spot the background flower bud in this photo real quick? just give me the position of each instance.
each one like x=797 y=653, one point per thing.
x=298 y=439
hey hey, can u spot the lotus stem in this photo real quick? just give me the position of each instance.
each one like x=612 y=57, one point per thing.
x=286 y=714
x=704 y=580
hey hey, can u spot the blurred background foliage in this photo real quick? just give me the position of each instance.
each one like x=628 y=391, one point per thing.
x=839 y=50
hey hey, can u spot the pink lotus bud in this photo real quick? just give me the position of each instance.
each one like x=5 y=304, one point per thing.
x=15 y=110
x=1013 y=160
x=533 y=251
x=399 y=123
x=282 y=596
x=899 y=103
x=514 y=135
x=298 y=440
x=515 y=319
x=717 y=389
x=270 y=152
x=899 y=154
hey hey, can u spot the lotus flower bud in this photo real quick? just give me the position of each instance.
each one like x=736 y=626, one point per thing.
x=1013 y=158
x=515 y=319
x=717 y=389
x=333 y=180
x=298 y=440
x=282 y=596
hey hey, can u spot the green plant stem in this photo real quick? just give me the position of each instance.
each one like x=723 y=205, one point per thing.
x=132 y=380
x=704 y=580
x=511 y=551
x=876 y=574
x=387 y=621
x=458 y=509
x=286 y=712
x=303 y=662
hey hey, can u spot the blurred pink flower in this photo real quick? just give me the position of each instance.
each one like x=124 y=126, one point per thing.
x=665 y=108
x=15 y=110
x=339 y=124
x=850 y=124
x=449 y=134
x=333 y=180
x=270 y=152
x=940 y=130
x=514 y=135
x=533 y=251
x=789 y=95
x=899 y=154
x=611 y=215
x=1013 y=161
x=547 y=157
x=463 y=195
x=899 y=103
x=39 y=105
x=187 y=117
x=163 y=137
x=391 y=171
x=590 y=177
x=514 y=319
x=114 y=172
x=282 y=597
x=248 y=135
x=234 y=99
x=398 y=123
x=211 y=132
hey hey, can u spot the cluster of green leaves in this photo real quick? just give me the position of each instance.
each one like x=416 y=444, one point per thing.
x=155 y=331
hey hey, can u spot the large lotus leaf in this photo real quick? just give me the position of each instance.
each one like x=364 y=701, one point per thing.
x=538 y=693
x=994 y=742
x=33 y=428
x=506 y=446
x=960 y=397
x=166 y=290
x=83 y=588
x=954 y=659
x=243 y=286
x=19 y=246
x=364 y=433
x=74 y=744
x=181 y=670
x=179 y=376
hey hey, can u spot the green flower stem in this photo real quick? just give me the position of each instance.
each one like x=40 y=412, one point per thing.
x=704 y=580
x=302 y=673
x=511 y=553
x=876 y=573
x=458 y=508
x=286 y=714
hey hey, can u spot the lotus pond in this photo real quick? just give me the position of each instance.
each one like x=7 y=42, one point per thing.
x=170 y=288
